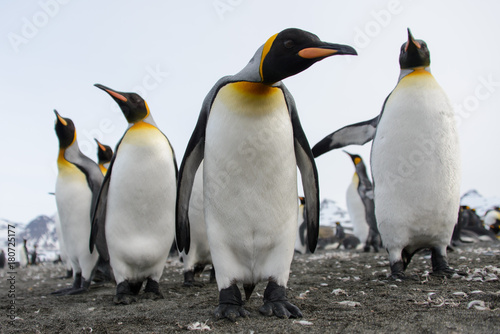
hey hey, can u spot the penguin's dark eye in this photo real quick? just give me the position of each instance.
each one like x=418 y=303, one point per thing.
x=289 y=44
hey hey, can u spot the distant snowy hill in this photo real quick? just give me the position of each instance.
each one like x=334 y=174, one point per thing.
x=475 y=200
x=330 y=213
x=40 y=231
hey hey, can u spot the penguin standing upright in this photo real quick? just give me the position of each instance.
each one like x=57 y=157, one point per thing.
x=251 y=140
x=104 y=155
x=134 y=220
x=103 y=273
x=77 y=186
x=360 y=205
x=199 y=251
x=301 y=239
x=415 y=162
x=23 y=255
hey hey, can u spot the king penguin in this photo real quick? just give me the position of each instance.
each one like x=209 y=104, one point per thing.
x=251 y=140
x=134 y=220
x=104 y=155
x=77 y=187
x=301 y=239
x=415 y=163
x=199 y=255
x=359 y=200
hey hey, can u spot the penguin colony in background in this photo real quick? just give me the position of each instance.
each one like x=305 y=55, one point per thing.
x=416 y=204
x=233 y=202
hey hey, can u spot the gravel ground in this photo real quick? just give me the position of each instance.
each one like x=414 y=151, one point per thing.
x=338 y=291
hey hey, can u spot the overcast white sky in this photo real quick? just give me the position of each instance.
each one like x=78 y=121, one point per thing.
x=172 y=52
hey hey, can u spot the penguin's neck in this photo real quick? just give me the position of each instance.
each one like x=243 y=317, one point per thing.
x=251 y=98
x=414 y=71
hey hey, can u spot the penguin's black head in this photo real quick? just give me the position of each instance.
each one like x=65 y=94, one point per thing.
x=104 y=152
x=292 y=51
x=414 y=53
x=132 y=105
x=65 y=130
x=356 y=159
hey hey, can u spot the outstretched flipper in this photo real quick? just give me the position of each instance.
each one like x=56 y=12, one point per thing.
x=354 y=134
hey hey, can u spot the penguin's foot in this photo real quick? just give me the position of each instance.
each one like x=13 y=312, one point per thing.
x=275 y=302
x=62 y=292
x=230 y=304
x=125 y=292
x=124 y=299
x=189 y=280
x=212 y=275
x=397 y=271
x=152 y=290
x=77 y=284
x=440 y=266
x=69 y=274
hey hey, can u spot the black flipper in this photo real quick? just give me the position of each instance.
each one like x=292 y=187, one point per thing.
x=354 y=134
x=190 y=162
x=308 y=171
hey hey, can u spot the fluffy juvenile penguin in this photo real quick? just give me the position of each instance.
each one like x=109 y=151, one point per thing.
x=359 y=200
x=251 y=140
x=77 y=187
x=134 y=220
x=199 y=251
x=415 y=162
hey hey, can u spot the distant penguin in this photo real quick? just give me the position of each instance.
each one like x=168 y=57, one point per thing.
x=103 y=273
x=134 y=220
x=77 y=186
x=104 y=155
x=251 y=140
x=3 y=259
x=199 y=251
x=23 y=255
x=359 y=199
x=415 y=162
x=492 y=217
x=301 y=240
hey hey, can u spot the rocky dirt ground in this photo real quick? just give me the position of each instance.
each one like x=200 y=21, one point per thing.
x=338 y=291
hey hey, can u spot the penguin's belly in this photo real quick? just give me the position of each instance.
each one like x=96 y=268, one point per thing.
x=357 y=213
x=416 y=165
x=73 y=198
x=141 y=203
x=250 y=186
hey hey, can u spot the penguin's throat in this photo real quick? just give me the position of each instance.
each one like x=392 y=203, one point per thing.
x=254 y=88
